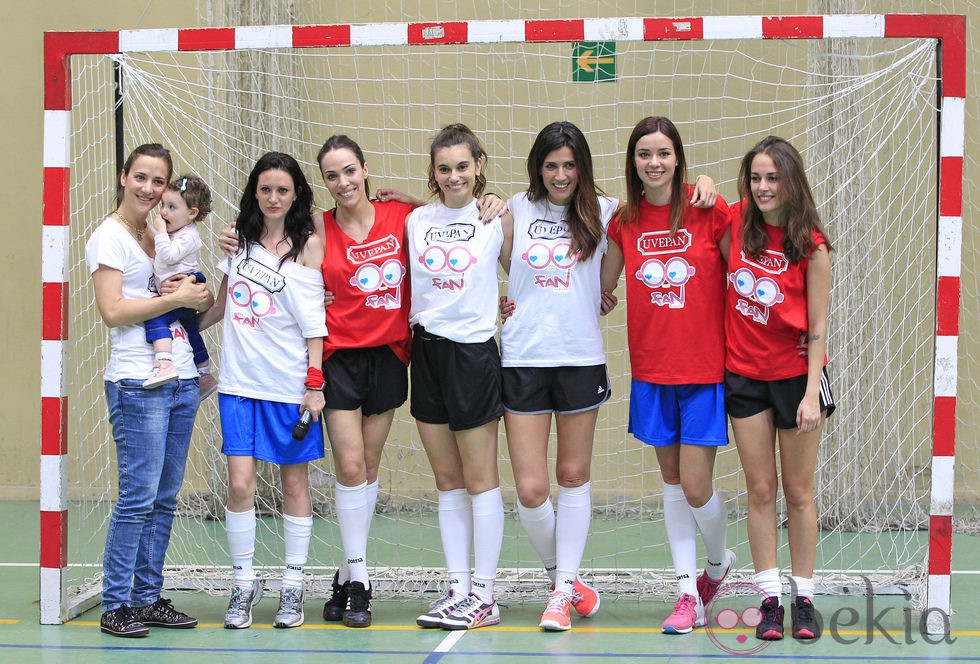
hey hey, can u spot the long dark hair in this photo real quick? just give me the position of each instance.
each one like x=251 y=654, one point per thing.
x=634 y=186
x=797 y=212
x=583 y=211
x=458 y=134
x=145 y=150
x=340 y=142
x=299 y=218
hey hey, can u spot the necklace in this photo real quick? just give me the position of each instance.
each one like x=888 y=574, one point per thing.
x=139 y=231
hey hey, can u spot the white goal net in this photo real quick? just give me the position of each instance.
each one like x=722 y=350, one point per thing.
x=863 y=112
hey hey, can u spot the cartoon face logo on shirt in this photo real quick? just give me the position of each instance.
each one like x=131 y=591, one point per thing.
x=258 y=303
x=448 y=265
x=383 y=282
x=756 y=295
x=667 y=280
x=553 y=264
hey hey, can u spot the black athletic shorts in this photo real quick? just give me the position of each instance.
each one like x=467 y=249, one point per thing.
x=455 y=383
x=566 y=390
x=745 y=397
x=372 y=379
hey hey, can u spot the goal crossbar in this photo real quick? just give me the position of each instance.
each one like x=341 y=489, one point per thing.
x=949 y=31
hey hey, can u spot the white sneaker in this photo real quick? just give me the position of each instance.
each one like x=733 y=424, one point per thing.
x=439 y=610
x=471 y=613
x=290 y=613
x=239 y=613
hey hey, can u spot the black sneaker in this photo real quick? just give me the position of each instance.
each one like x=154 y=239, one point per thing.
x=771 y=627
x=333 y=610
x=163 y=614
x=806 y=619
x=358 y=612
x=122 y=622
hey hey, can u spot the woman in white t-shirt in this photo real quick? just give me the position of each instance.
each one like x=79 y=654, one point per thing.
x=553 y=359
x=455 y=371
x=271 y=303
x=151 y=428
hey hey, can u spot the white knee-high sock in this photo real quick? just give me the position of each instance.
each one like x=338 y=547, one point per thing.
x=456 y=531
x=352 y=517
x=681 y=535
x=571 y=532
x=371 y=493
x=297 y=531
x=240 y=529
x=539 y=524
x=769 y=582
x=804 y=586
x=488 y=535
x=712 y=522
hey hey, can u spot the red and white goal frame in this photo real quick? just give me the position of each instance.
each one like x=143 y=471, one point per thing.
x=948 y=30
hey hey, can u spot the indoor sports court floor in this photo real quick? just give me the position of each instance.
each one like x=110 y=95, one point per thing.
x=625 y=630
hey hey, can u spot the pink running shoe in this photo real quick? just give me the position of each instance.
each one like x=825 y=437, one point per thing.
x=708 y=587
x=688 y=614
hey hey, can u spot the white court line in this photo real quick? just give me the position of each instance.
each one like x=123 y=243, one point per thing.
x=447 y=643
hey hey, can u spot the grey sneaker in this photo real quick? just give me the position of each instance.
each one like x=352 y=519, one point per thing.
x=290 y=613
x=239 y=613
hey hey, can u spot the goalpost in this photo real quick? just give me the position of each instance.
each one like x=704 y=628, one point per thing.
x=874 y=102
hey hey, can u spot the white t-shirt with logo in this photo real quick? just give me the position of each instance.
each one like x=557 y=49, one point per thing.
x=131 y=356
x=270 y=312
x=452 y=259
x=557 y=296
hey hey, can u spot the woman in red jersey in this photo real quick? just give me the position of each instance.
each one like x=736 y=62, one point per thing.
x=675 y=293
x=776 y=385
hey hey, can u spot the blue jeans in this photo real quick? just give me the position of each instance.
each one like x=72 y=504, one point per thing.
x=152 y=430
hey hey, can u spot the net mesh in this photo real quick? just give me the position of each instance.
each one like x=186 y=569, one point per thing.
x=863 y=114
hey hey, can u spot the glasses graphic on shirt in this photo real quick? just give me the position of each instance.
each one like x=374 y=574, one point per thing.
x=370 y=277
x=675 y=272
x=764 y=290
x=540 y=256
x=259 y=302
x=437 y=259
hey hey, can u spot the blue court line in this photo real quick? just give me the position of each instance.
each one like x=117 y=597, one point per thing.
x=476 y=653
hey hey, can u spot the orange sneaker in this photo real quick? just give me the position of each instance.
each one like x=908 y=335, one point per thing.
x=557 y=615
x=585 y=600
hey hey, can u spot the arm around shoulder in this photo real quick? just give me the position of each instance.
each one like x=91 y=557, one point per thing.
x=313 y=252
x=217 y=309
x=507 y=225
x=611 y=267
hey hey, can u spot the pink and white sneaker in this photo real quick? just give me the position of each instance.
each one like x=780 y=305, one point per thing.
x=688 y=614
x=471 y=613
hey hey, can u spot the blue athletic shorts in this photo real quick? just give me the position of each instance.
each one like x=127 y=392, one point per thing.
x=264 y=430
x=667 y=414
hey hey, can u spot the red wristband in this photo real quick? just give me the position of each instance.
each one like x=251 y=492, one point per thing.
x=314 y=378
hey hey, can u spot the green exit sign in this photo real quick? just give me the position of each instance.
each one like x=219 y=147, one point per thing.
x=593 y=61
